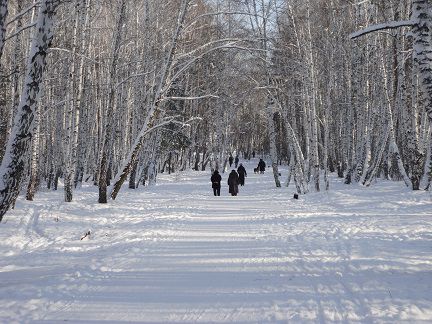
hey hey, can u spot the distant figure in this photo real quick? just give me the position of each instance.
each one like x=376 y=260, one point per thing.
x=242 y=174
x=230 y=160
x=233 y=181
x=261 y=166
x=236 y=161
x=253 y=154
x=216 y=183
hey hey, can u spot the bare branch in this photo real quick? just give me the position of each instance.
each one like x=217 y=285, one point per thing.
x=191 y=98
x=211 y=14
x=20 y=30
x=386 y=25
x=133 y=76
x=69 y=51
x=22 y=13
x=198 y=57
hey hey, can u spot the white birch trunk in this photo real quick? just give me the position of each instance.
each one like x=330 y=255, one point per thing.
x=297 y=158
x=422 y=54
x=422 y=31
x=325 y=146
x=314 y=157
x=272 y=137
x=15 y=84
x=393 y=145
x=34 y=158
x=72 y=116
x=15 y=161
x=76 y=161
x=3 y=16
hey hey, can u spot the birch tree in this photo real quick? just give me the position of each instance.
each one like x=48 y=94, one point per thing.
x=109 y=127
x=153 y=110
x=74 y=96
x=15 y=162
x=3 y=16
x=422 y=49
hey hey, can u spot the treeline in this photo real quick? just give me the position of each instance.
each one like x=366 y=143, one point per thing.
x=109 y=91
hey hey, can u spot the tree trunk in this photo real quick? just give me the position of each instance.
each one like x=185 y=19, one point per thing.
x=314 y=155
x=3 y=16
x=34 y=170
x=272 y=137
x=422 y=31
x=76 y=90
x=132 y=178
x=108 y=140
x=15 y=161
x=392 y=136
x=422 y=54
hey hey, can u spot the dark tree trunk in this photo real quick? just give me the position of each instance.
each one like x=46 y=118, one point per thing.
x=106 y=150
x=132 y=177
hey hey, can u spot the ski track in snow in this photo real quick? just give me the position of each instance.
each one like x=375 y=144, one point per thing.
x=174 y=253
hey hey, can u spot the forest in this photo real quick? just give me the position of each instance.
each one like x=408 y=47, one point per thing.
x=114 y=92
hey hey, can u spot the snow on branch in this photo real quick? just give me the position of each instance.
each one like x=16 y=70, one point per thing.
x=386 y=25
x=229 y=45
x=132 y=77
x=77 y=54
x=212 y=43
x=212 y=14
x=23 y=12
x=31 y=25
x=186 y=123
x=191 y=98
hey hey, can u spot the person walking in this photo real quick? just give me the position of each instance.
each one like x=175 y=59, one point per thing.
x=236 y=161
x=230 y=160
x=233 y=181
x=216 y=182
x=242 y=174
x=261 y=166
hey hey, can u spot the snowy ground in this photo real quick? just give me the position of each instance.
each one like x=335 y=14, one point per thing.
x=174 y=253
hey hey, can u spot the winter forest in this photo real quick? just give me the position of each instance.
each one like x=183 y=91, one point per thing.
x=117 y=91
x=116 y=114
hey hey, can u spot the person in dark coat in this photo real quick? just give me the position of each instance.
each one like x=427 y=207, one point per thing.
x=230 y=160
x=216 y=182
x=242 y=174
x=236 y=161
x=261 y=166
x=233 y=181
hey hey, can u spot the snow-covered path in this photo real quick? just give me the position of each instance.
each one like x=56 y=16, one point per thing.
x=175 y=253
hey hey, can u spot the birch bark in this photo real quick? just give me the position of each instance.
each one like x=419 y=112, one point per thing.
x=34 y=159
x=15 y=161
x=422 y=31
x=422 y=54
x=314 y=157
x=392 y=136
x=3 y=16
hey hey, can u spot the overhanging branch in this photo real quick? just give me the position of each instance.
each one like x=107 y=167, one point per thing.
x=386 y=25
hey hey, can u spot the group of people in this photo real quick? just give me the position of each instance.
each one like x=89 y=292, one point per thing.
x=235 y=179
x=231 y=160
